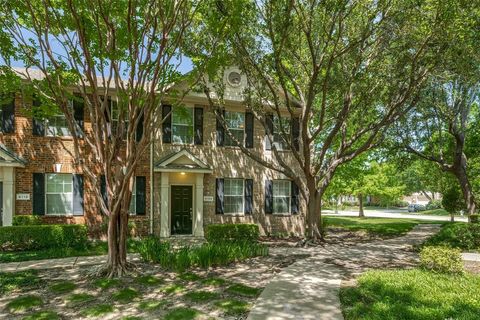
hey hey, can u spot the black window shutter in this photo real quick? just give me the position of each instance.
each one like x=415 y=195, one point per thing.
x=77 y=195
x=167 y=124
x=269 y=123
x=103 y=189
x=38 y=124
x=198 y=123
x=220 y=130
x=294 y=201
x=141 y=195
x=78 y=110
x=8 y=117
x=296 y=133
x=140 y=126
x=39 y=194
x=268 y=196
x=248 y=196
x=248 y=130
x=219 y=196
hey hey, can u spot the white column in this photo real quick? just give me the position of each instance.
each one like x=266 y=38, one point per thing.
x=164 y=206
x=8 y=195
x=198 y=217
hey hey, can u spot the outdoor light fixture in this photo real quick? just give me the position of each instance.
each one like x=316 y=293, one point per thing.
x=182 y=173
x=58 y=167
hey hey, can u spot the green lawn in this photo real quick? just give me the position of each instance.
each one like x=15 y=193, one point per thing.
x=434 y=212
x=412 y=294
x=376 y=226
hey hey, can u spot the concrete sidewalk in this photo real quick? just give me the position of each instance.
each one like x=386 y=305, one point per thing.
x=393 y=214
x=70 y=262
x=309 y=288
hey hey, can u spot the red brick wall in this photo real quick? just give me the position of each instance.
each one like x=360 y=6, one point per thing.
x=42 y=153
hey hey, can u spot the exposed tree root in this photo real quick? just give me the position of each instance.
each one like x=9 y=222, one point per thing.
x=112 y=271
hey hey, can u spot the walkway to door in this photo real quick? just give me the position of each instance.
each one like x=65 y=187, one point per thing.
x=308 y=289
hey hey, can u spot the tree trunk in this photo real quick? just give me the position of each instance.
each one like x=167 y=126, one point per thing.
x=117 y=265
x=460 y=173
x=361 y=214
x=313 y=217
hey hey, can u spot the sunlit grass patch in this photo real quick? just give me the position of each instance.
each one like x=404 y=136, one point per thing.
x=125 y=295
x=149 y=280
x=97 y=310
x=42 y=315
x=10 y=281
x=24 y=303
x=201 y=296
x=105 y=283
x=189 y=276
x=182 y=314
x=233 y=306
x=244 y=290
x=213 y=281
x=151 y=305
x=63 y=287
x=173 y=288
x=78 y=298
x=412 y=294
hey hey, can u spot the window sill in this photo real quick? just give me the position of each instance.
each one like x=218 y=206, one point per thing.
x=65 y=215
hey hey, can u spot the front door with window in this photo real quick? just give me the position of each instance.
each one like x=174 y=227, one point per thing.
x=182 y=209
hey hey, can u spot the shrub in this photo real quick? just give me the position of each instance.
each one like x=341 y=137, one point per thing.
x=34 y=237
x=442 y=259
x=204 y=256
x=434 y=204
x=26 y=220
x=474 y=218
x=232 y=232
x=465 y=236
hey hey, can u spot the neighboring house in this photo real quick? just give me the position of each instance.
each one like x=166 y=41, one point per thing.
x=199 y=176
x=422 y=197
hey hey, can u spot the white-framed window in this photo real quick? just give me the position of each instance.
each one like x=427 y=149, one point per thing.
x=115 y=113
x=233 y=196
x=182 y=125
x=235 y=122
x=57 y=125
x=278 y=140
x=59 y=194
x=281 y=196
x=132 y=210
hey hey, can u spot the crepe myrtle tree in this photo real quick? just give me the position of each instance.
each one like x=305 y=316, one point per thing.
x=342 y=71
x=93 y=52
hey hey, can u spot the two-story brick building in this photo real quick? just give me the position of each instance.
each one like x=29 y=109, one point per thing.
x=193 y=176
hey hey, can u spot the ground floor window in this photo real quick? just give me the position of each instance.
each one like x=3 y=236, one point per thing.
x=233 y=196
x=281 y=196
x=133 y=201
x=59 y=194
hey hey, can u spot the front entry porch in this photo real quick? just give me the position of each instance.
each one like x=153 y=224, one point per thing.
x=181 y=194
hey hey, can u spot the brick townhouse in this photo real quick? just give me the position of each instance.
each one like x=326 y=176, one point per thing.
x=193 y=176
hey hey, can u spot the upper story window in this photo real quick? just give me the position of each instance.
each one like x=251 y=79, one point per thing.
x=235 y=122
x=182 y=125
x=233 y=196
x=57 y=125
x=278 y=137
x=133 y=200
x=59 y=194
x=281 y=196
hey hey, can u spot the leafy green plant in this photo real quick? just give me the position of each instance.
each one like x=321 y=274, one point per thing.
x=78 y=298
x=173 y=288
x=26 y=220
x=442 y=259
x=34 y=237
x=213 y=281
x=189 y=276
x=149 y=280
x=232 y=232
x=151 y=305
x=105 y=283
x=43 y=315
x=474 y=218
x=97 y=310
x=182 y=314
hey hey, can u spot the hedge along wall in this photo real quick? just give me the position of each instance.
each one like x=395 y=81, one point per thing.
x=33 y=237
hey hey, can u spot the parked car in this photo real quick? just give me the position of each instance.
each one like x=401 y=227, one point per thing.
x=414 y=207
